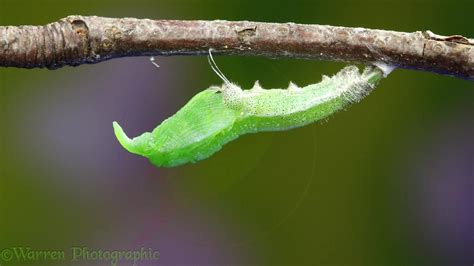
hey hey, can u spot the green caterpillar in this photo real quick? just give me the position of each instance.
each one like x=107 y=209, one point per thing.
x=219 y=115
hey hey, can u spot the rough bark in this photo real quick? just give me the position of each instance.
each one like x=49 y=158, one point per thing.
x=76 y=40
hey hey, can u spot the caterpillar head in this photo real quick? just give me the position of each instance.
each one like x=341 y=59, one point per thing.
x=141 y=145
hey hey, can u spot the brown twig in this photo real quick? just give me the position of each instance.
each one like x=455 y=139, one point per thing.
x=77 y=40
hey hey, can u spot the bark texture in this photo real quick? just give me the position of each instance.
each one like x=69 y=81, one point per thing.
x=77 y=40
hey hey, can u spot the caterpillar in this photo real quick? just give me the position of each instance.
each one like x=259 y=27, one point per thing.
x=221 y=114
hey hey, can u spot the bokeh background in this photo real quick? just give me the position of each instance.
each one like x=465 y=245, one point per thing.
x=388 y=182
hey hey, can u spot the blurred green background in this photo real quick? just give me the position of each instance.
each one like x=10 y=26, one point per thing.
x=388 y=182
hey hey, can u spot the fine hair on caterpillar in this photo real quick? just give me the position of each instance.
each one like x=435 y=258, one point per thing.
x=221 y=114
x=228 y=89
x=215 y=68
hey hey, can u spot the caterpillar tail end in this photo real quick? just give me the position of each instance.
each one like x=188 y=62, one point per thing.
x=123 y=139
x=385 y=68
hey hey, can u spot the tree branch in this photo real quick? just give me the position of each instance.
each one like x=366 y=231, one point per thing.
x=77 y=40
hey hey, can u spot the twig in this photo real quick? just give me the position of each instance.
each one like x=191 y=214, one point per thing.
x=76 y=40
